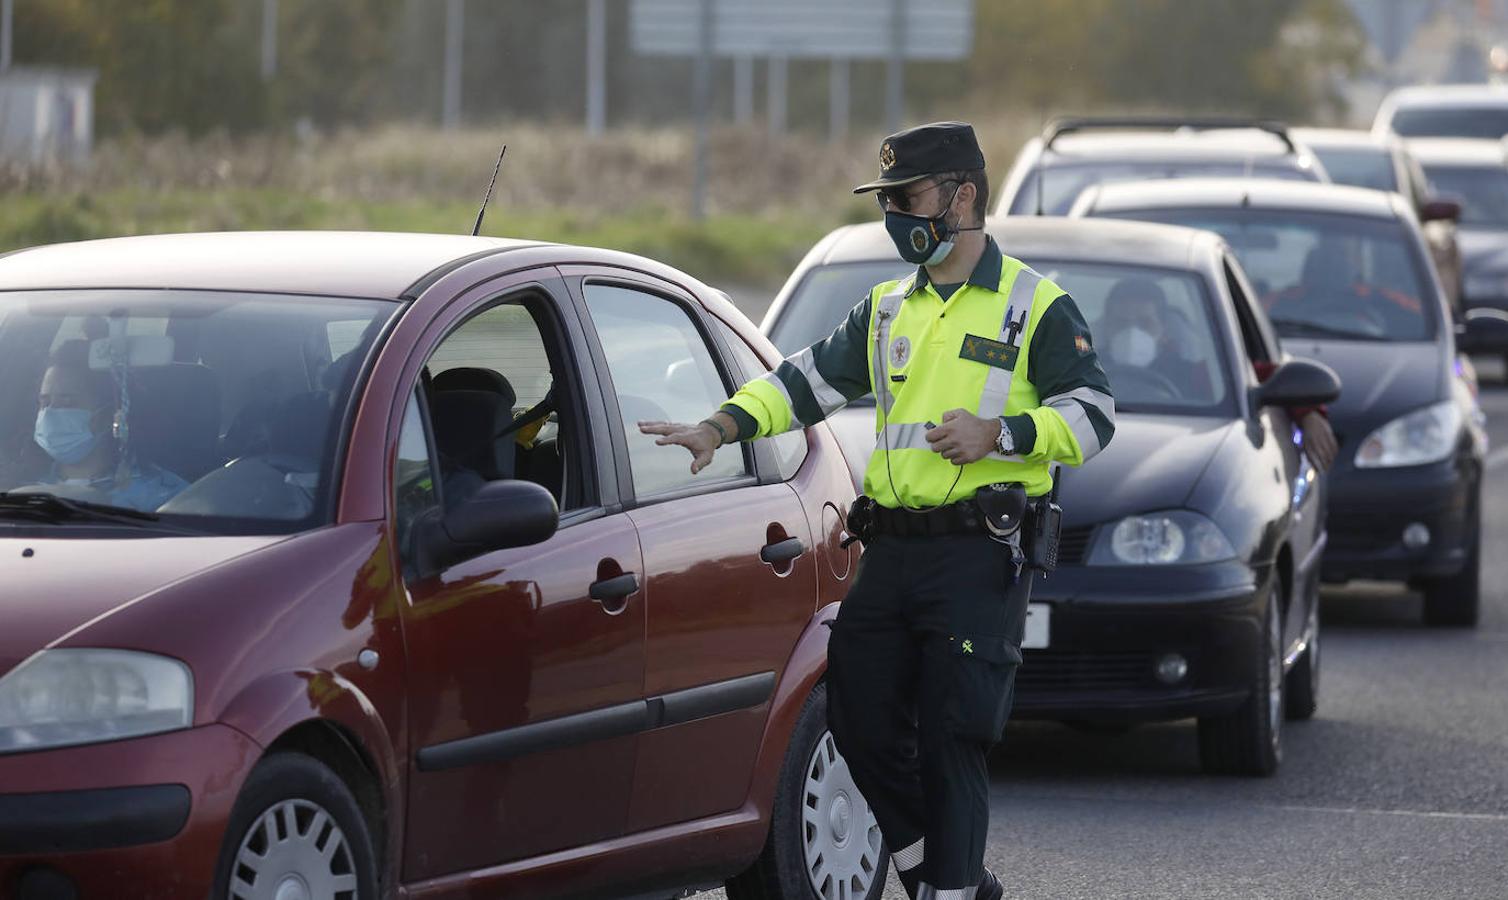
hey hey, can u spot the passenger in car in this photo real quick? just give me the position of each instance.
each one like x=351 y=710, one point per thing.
x=75 y=408
x=1142 y=330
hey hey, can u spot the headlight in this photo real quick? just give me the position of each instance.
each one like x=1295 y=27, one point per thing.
x=1175 y=537
x=63 y=697
x=1424 y=436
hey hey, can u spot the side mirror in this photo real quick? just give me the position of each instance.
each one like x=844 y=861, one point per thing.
x=1484 y=331
x=1439 y=211
x=1299 y=382
x=501 y=514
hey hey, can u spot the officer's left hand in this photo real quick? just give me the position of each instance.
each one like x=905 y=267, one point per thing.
x=963 y=437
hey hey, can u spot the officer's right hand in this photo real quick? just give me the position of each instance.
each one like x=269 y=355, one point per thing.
x=701 y=439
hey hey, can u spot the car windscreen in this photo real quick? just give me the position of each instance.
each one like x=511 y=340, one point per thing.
x=824 y=297
x=1323 y=275
x=1152 y=327
x=1368 y=167
x=1482 y=192
x=1065 y=181
x=1451 y=121
x=217 y=413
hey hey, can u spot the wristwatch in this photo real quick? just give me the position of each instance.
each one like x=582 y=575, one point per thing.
x=1005 y=443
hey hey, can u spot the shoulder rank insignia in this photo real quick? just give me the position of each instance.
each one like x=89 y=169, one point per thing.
x=991 y=353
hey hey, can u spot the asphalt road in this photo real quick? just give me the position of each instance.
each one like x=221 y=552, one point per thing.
x=1397 y=788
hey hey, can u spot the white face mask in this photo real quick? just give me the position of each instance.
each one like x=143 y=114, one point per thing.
x=1133 y=347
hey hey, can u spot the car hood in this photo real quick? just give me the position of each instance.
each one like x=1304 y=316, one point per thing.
x=1378 y=381
x=62 y=584
x=1152 y=463
x=1483 y=249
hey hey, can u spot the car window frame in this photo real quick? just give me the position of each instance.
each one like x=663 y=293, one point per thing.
x=697 y=313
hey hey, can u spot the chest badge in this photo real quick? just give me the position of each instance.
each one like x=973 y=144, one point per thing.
x=991 y=353
x=900 y=352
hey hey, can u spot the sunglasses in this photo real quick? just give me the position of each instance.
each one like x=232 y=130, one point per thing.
x=900 y=199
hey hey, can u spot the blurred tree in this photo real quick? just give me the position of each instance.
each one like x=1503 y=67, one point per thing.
x=335 y=60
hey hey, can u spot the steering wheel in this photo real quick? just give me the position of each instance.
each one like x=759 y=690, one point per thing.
x=1152 y=381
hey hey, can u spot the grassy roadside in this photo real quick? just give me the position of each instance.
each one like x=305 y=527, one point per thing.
x=745 y=248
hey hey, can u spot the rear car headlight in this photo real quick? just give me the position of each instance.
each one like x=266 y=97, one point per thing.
x=1174 y=537
x=60 y=698
x=1423 y=436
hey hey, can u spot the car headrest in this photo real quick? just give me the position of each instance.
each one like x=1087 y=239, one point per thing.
x=299 y=427
x=467 y=425
x=469 y=378
x=175 y=418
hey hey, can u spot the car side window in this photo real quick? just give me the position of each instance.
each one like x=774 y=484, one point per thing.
x=1260 y=343
x=662 y=370
x=415 y=490
x=790 y=448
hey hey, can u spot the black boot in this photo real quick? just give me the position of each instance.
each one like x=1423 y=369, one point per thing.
x=912 y=881
x=989 y=887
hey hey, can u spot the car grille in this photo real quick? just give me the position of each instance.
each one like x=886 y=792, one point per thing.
x=1052 y=671
x=1073 y=546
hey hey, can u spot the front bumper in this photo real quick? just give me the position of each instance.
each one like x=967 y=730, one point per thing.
x=1370 y=508
x=135 y=818
x=1110 y=626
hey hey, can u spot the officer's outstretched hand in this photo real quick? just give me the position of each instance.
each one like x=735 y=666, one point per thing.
x=963 y=437
x=702 y=440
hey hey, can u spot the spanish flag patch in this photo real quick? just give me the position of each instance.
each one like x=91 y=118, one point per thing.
x=1081 y=344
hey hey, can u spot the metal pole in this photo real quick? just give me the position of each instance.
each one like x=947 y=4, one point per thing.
x=837 y=99
x=895 y=71
x=596 y=67
x=777 y=91
x=269 y=39
x=455 y=13
x=702 y=91
x=743 y=89
x=6 y=8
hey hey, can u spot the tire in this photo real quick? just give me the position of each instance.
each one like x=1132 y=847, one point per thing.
x=291 y=810
x=1455 y=601
x=1249 y=741
x=853 y=854
x=1301 y=686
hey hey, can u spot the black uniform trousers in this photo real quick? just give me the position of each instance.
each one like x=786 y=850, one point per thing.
x=921 y=673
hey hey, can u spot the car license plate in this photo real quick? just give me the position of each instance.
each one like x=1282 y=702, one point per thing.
x=1037 y=617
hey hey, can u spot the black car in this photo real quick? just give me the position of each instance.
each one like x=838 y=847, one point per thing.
x=1474 y=173
x=1073 y=153
x=1345 y=279
x=1189 y=563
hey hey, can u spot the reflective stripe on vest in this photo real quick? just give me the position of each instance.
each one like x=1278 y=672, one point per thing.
x=884 y=313
x=997 y=385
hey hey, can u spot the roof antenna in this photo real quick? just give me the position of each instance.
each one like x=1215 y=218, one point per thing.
x=477 y=228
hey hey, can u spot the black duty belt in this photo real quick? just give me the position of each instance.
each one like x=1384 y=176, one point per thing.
x=962 y=517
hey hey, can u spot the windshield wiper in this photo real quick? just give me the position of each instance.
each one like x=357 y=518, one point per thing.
x=1314 y=329
x=52 y=508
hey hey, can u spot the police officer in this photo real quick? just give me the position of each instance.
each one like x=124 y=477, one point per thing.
x=984 y=374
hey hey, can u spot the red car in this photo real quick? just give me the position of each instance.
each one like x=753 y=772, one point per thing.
x=336 y=569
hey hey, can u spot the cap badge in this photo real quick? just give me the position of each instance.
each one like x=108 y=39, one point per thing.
x=887 y=157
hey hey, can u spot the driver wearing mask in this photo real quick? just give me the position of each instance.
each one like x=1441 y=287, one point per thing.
x=1145 y=333
x=75 y=410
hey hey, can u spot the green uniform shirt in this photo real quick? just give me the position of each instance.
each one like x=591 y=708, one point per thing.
x=1009 y=342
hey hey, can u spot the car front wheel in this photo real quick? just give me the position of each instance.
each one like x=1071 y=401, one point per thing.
x=824 y=842
x=295 y=833
x=1249 y=741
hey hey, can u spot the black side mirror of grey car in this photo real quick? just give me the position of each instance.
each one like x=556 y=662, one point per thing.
x=1435 y=210
x=1299 y=382
x=1484 y=331
x=501 y=514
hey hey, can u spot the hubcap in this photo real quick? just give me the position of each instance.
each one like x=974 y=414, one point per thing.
x=294 y=851
x=842 y=840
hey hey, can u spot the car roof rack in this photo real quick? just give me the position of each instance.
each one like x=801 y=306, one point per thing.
x=1074 y=124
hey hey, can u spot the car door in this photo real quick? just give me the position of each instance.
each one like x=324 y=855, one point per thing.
x=731 y=581
x=525 y=665
x=1305 y=487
